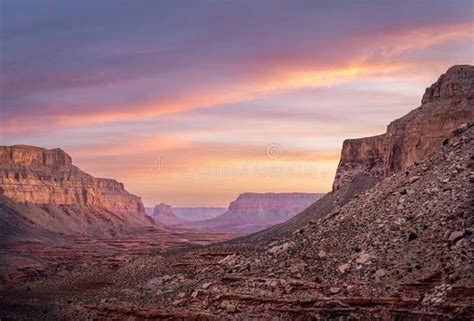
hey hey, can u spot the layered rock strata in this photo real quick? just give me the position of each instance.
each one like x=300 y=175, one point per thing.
x=60 y=197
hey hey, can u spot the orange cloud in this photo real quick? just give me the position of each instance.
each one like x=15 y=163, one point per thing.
x=218 y=182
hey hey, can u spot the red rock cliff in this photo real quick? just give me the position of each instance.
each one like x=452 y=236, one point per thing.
x=42 y=176
x=446 y=105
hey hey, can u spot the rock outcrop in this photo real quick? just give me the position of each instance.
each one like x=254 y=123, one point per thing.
x=446 y=105
x=358 y=156
x=164 y=214
x=61 y=197
x=163 y=209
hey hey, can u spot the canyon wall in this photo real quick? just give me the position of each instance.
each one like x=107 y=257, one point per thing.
x=60 y=197
x=446 y=105
x=42 y=176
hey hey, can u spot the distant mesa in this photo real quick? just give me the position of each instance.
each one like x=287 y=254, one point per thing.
x=163 y=210
x=164 y=214
x=250 y=212
x=193 y=213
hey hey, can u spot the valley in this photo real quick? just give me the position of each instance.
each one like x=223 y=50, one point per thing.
x=393 y=240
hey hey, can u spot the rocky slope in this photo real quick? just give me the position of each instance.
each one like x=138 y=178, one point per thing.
x=50 y=193
x=252 y=212
x=446 y=105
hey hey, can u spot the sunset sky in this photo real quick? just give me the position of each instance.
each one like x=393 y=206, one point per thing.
x=194 y=102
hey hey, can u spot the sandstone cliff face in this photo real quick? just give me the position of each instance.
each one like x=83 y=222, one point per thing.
x=446 y=105
x=41 y=176
x=63 y=198
x=363 y=155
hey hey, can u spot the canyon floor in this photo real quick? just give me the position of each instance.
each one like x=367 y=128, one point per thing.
x=41 y=277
